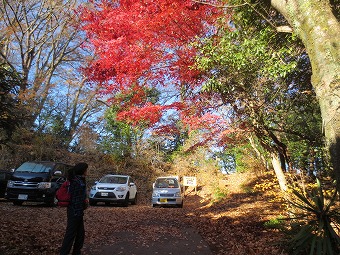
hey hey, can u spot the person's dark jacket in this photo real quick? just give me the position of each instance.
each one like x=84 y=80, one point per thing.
x=78 y=196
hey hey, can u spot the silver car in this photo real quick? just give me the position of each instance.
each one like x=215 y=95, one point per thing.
x=114 y=188
x=167 y=191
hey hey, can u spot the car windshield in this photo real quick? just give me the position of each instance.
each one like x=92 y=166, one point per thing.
x=166 y=183
x=114 y=179
x=30 y=167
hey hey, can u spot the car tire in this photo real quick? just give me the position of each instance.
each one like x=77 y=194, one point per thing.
x=134 y=201
x=52 y=202
x=18 y=202
x=180 y=205
x=126 y=200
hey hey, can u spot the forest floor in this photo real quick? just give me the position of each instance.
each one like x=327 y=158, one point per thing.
x=234 y=225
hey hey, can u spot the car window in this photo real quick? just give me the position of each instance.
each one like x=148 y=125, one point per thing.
x=31 y=167
x=114 y=179
x=166 y=183
x=61 y=167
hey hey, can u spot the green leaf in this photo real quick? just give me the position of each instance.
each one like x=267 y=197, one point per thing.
x=313 y=244
x=302 y=198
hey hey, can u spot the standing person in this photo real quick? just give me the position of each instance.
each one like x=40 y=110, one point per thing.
x=75 y=231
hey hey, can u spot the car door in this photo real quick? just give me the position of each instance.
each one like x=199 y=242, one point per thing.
x=132 y=188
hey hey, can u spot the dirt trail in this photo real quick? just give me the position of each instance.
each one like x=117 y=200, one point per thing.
x=147 y=230
x=189 y=242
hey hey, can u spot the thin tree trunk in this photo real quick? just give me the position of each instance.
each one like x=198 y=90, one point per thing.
x=258 y=153
x=279 y=171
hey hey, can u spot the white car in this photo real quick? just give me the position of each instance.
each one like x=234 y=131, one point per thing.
x=114 y=188
x=167 y=192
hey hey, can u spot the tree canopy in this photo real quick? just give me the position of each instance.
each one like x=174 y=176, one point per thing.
x=42 y=45
x=145 y=44
x=224 y=65
x=11 y=111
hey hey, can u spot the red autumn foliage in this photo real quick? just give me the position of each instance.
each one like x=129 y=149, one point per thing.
x=144 y=39
x=142 y=44
x=149 y=114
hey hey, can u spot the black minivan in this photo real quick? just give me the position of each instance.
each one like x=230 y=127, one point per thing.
x=36 y=181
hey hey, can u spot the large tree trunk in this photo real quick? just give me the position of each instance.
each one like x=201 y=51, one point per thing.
x=319 y=30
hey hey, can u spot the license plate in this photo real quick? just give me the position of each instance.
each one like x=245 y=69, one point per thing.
x=22 y=196
x=163 y=200
x=105 y=194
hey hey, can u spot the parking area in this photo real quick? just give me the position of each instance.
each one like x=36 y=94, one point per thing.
x=138 y=229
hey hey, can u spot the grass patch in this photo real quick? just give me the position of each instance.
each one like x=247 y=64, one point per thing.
x=219 y=194
x=276 y=223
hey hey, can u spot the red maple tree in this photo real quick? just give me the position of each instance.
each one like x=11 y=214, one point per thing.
x=146 y=43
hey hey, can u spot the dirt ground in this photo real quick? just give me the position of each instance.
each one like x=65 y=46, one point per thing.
x=233 y=226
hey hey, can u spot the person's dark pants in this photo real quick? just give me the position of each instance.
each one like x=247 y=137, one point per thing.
x=74 y=235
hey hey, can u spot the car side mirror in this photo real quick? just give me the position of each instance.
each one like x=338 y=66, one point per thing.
x=132 y=184
x=58 y=173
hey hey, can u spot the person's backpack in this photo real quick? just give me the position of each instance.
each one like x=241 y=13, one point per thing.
x=63 y=195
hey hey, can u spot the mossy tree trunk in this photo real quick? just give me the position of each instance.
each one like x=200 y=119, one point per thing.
x=319 y=30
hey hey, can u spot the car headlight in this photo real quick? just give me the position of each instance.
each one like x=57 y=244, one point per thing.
x=155 y=194
x=177 y=194
x=44 y=185
x=10 y=184
x=121 y=188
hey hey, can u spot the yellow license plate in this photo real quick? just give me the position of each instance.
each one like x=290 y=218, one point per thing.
x=163 y=200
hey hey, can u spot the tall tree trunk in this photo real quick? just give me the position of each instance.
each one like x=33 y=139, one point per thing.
x=319 y=30
x=277 y=165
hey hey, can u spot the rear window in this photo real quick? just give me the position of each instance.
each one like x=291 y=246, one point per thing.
x=31 y=167
x=166 y=183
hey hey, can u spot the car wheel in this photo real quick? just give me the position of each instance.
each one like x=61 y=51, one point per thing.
x=91 y=202
x=180 y=205
x=18 y=202
x=134 y=201
x=126 y=201
x=52 y=202
x=55 y=201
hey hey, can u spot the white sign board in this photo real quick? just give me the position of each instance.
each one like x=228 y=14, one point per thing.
x=189 y=181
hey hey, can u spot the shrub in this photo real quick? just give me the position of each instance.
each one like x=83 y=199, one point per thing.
x=316 y=223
